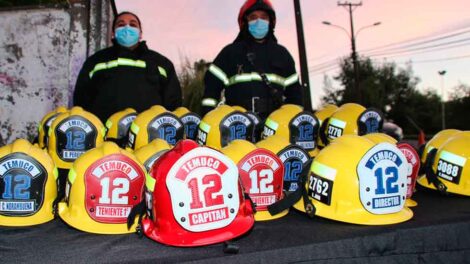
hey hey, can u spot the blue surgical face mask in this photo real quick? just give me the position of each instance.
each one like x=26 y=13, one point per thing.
x=127 y=36
x=258 y=28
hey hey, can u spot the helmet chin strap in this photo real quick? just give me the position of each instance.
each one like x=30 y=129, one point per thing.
x=138 y=209
x=430 y=175
x=292 y=198
x=61 y=184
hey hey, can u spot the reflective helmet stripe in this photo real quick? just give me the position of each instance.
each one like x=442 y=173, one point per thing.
x=149 y=182
x=323 y=170
x=72 y=175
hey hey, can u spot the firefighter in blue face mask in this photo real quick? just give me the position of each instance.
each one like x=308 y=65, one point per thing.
x=254 y=71
x=126 y=75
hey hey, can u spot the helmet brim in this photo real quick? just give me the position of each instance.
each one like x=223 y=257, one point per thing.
x=360 y=218
x=411 y=203
x=266 y=216
x=85 y=224
x=167 y=236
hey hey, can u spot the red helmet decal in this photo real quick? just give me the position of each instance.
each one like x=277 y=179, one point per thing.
x=262 y=173
x=413 y=159
x=203 y=185
x=113 y=185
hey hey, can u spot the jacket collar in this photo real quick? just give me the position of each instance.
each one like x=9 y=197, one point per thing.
x=123 y=51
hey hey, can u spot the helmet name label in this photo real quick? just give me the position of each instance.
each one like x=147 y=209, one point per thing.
x=335 y=128
x=450 y=166
x=202 y=131
x=201 y=137
x=209 y=216
x=264 y=200
x=112 y=211
x=334 y=132
x=386 y=202
x=449 y=171
x=320 y=189
x=383 y=177
x=22 y=207
x=71 y=155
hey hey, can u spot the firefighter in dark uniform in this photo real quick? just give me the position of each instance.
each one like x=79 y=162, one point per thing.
x=128 y=74
x=255 y=71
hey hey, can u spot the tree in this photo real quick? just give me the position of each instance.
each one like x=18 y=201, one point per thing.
x=192 y=84
x=389 y=89
x=458 y=107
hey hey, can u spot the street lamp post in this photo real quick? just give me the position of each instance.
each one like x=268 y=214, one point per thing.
x=353 y=37
x=443 y=103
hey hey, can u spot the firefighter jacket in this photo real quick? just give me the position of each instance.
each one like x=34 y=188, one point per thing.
x=116 y=78
x=240 y=69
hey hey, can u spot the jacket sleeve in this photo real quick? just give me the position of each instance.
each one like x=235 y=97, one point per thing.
x=82 y=95
x=292 y=88
x=215 y=80
x=171 y=93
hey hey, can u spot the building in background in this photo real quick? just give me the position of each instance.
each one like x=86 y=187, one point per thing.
x=42 y=48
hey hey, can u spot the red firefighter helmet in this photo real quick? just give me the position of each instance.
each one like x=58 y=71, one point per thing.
x=252 y=5
x=413 y=160
x=262 y=175
x=197 y=198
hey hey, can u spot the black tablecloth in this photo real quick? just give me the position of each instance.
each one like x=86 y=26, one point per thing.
x=438 y=233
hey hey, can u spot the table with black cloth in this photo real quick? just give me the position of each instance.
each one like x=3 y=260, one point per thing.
x=438 y=233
